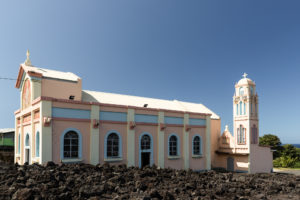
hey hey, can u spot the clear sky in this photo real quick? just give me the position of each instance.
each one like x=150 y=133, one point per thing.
x=192 y=51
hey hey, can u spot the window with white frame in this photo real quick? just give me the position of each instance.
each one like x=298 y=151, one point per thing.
x=173 y=146
x=197 y=143
x=112 y=146
x=71 y=145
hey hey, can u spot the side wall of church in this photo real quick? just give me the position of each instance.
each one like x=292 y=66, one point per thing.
x=215 y=135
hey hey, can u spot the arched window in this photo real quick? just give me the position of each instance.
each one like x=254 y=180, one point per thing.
x=27 y=140
x=241 y=135
x=37 y=144
x=251 y=90
x=112 y=146
x=71 y=145
x=197 y=145
x=173 y=145
x=237 y=109
x=145 y=142
x=244 y=108
x=241 y=91
x=241 y=108
x=19 y=143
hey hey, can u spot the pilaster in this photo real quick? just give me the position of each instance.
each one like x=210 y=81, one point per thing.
x=94 y=135
x=186 y=142
x=207 y=143
x=130 y=139
x=32 y=139
x=161 y=142
x=46 y=132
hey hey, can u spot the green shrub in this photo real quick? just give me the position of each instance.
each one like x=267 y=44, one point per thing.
x=284 y=161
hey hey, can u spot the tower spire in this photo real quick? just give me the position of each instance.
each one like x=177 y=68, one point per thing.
x=245 y=75
x=28 y=61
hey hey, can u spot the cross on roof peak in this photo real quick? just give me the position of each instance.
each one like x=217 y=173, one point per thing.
x=245 y=75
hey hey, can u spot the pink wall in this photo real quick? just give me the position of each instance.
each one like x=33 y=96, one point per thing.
x=152 y=130
x=58 y=127
x=61 y=89
x=177 y=163
x=197 y=163
x=104 y=129
x=215 y=133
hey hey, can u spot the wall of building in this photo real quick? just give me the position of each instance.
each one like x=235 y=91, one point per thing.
x=61 y=89
x=197 y=162
x=59 y=127
x=215 y=135
x=261 y=159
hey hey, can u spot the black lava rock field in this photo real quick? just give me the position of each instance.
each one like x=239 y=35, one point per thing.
x=83 y=181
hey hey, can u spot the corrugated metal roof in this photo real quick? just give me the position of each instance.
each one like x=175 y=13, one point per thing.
x=127 y=100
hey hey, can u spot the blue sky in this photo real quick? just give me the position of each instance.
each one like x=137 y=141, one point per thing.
x=186 y=50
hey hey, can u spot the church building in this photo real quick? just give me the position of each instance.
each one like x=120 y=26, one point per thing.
x=58 y=121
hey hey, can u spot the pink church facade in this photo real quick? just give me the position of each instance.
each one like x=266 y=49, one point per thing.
x=58 y=121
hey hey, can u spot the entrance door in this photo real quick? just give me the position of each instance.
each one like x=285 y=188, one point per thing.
x=230 y=164
x=27 y=155
x=145 y=159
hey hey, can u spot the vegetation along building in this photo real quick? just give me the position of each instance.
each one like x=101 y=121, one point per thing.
x=58 y=121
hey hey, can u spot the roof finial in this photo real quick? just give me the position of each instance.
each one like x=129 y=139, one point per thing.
x=226 y=128
x=27 y=61
x=245 y=75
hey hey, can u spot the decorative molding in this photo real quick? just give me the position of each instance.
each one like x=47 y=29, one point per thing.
x=132 y=125
x=162 y=126
x=96 y=123
x=47 y=121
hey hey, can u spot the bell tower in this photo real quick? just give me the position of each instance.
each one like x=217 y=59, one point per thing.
x=245 y=113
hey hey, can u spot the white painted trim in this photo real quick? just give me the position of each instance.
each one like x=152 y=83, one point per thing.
x=113 y=159
x=71 y=160
x=173 y=157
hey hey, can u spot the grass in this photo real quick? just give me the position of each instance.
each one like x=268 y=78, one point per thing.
x=6 y=142
x=296 y=167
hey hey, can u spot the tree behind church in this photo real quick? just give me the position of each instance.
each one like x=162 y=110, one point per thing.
x=274 y=142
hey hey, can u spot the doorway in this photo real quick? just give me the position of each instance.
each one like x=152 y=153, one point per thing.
x=27 y=149
x=230 y=164
x=146 y=150
x=145 y=159
x=27 y=155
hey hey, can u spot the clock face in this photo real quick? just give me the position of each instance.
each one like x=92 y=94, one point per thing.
x=26 y=99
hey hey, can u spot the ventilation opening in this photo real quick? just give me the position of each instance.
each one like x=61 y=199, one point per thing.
x=145 y=105
x=72 y=97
